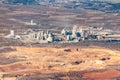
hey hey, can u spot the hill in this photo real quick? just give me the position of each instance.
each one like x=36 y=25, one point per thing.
x=109 y=6
x=24 y=2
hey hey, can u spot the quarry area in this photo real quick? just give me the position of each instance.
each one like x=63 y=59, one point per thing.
x=70 y=63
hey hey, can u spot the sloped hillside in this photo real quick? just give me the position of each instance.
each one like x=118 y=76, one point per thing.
x=25 y=2
x=52 y=60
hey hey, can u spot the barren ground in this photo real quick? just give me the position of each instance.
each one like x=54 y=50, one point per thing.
x=52 y=18
x=95 y=63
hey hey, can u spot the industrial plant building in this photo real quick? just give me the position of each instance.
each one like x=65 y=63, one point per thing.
x=74 y=34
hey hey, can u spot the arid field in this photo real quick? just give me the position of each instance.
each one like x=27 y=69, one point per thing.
x=15 y=17
x=84 y=63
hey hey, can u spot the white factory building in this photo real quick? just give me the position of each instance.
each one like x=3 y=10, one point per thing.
x=74 y=34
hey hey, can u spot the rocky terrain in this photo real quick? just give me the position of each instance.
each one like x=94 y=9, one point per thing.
x=109 y=6
x=59 y=63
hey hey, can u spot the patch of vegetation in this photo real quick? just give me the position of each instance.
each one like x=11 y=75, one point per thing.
x=107 y=7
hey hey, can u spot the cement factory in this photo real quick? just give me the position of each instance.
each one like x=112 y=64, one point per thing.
x=67 y=35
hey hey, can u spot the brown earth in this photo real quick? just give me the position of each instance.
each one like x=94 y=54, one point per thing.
x=53 y=18
x=102 y=75
x=39 y=60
